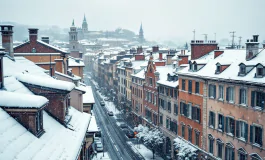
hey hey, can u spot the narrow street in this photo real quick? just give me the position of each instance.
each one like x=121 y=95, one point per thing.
x=114 y=138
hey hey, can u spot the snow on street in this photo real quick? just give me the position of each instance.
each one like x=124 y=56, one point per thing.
x=99 y=156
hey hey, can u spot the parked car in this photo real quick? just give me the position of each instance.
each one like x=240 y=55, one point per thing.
x=98 y=134
x=106 y=99
x=123 y=126
x=99 y=147
x=102 y=103
x=110 y=113
x=97 y=139
x=129 y=133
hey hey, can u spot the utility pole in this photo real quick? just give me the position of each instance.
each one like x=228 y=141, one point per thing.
x=239 y=42
x=215 y=36
x=205 y=37
x=233 y=38
x=193 y=35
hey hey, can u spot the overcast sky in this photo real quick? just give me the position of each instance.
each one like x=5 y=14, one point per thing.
x=162 y=19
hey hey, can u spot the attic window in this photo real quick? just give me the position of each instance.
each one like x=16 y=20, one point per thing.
x=259 y=71
x=33 y=50
x=190 y=66
x=218 y=68
x=242 y=70
x=195 y=67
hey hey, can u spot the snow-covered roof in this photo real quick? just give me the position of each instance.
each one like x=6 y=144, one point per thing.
x=51 y=46
x=92 y=125
x=45 y=82
x=88 y=96
x=73 y=62
x=20 y=100
x=169 y=83
x=58 y=141
x=140 y=74
x=164 y=70
x=234 y=58
x=13 y=85
x=75 y=77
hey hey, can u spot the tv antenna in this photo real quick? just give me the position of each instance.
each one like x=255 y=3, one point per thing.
x=233 y=38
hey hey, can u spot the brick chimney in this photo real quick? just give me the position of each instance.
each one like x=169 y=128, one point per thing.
x=200 y=48
x=183 y=59
x=169 y=58
x=139 y=50
x=155 y=49
x=160 y=57
x=218 y=53
x=2 y=53
x=252 y=47
x=45 y=39
x=7 y=39
x=33 y=34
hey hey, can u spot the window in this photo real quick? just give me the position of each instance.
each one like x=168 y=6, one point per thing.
x=229 y=152
x=242 y=96
x=221 y=92
x=218 y=69
x=169 y=107
x=259 y=71
x=168 y=123
x=190 y=86
x=190 y=134
x=242 y=70
x=242 y=154
x=221 y=125
x=38 y=120
x=190 y=65
x=196 y=113
x=174 y=127
x=33 y=50
x=211 y=119
x=189 y=109
x=195 y=67
x=176 y=93
x=183 y=84
x=154 y=99
x=197 y=138
x=150 y=81
x=161 y=119
x=197 y=87
x=167 y=93
x=171 y=92
x=176 y=109
x=256 y=133
x=211 y=140
x=212 y=91
x=219 y=148
x=242 y=130
x=161 y=90
x=255 y=157
x=230 y=94
x=183 y=130
x=257 y=99
x=230 y=126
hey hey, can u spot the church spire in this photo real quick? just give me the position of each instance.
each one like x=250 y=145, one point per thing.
x=84 y=18
x=73 y=23
x=141 y=34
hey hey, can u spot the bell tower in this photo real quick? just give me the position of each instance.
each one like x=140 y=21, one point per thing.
x=141 y=34
x=73 y=41
x=84 y=25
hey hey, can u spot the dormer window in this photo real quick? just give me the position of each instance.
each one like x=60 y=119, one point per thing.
x=195 y=67
x=242 y=70
x=260 y=71
x=190 y=66
x=218 y=68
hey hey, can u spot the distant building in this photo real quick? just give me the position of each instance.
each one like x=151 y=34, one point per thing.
x=141 y=34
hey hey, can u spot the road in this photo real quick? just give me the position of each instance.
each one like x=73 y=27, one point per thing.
x=114 y=138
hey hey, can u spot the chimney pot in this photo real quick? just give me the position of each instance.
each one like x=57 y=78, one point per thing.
x=7 y=39
x=33 y=34
x=45 y=39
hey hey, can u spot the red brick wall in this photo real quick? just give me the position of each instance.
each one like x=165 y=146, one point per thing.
x=184 y=60
x=57 y=102
x=139 y=57
x=184 y=96
x=162 y=63
x=47 y=67
x=59 y=65
x=27 y=119
x=40 y=48
x=199 y=50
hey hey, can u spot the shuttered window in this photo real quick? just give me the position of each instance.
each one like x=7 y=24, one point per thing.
x=212 y=91
x=242 y=96
x=190 y=86
x=221 y=123
x=230 y=126
x=197 y=87
x=230 y=94
x=176 y=109
x=190 y=134
x=242 y=130
x=183 y=84
x=211 y=119
x=255 y=136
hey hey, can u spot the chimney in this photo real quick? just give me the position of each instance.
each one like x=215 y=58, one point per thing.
x=183 y=59
x=45 y=39
x=217 y=53
x=7 y=39
x=139 y=50
x=59 y=65
x=155 y=49
x=200 y=48
x=2 y=53
x=33 y=34
x=252 y=47
x=160 y=57
x=169 y=58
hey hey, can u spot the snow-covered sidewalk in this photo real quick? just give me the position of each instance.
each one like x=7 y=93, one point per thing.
x=143 y=151
x=100 y=156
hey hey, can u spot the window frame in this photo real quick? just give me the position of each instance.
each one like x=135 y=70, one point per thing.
x=197 y=87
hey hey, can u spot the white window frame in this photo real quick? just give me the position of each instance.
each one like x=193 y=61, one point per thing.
x=221 y=92
x=189 y=110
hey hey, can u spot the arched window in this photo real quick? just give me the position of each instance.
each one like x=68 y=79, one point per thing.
x=219 y=145
x=255 y=156
x=229 y=151
x=33 y=50
x=242 y=154
x=211 y=141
